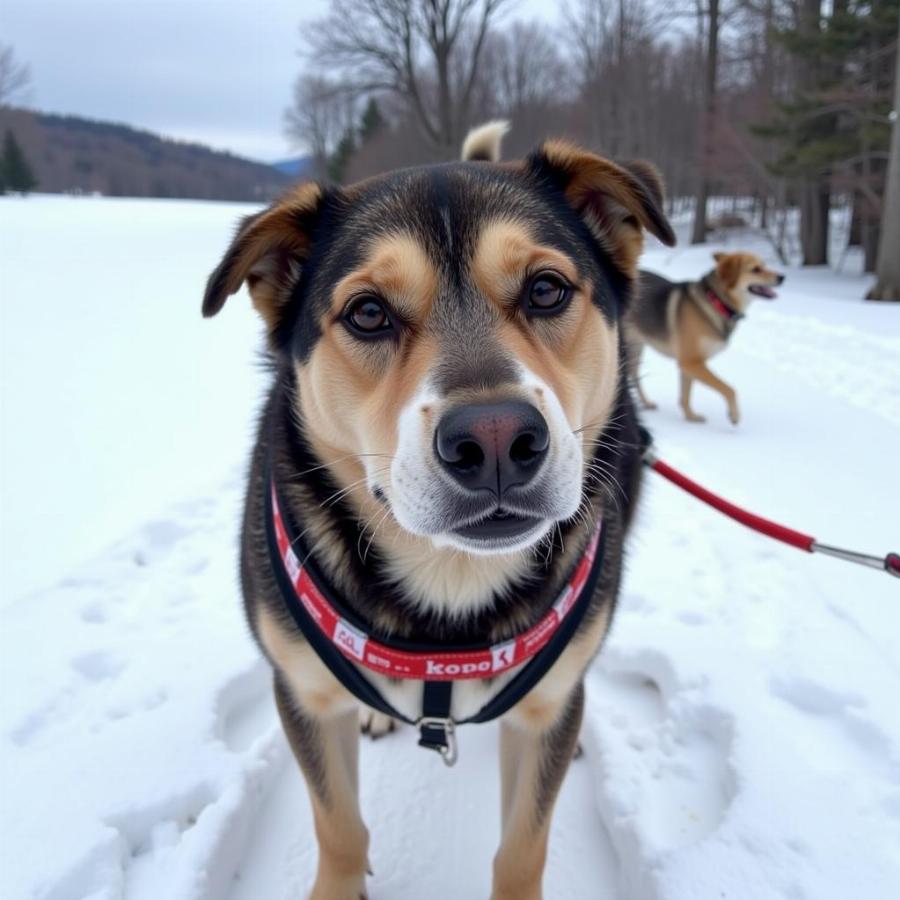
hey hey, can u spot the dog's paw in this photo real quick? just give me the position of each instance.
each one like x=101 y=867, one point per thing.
x=517 y=893
x=694 y=417
x=345 y=888
x=375 y=724
x=649 y=404
x=734 y=415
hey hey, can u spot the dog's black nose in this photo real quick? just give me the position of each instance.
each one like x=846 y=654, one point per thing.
x=492 y=446
x=780 y=279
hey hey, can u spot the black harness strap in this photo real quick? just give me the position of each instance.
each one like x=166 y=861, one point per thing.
x=437 y=730
x=436 y=725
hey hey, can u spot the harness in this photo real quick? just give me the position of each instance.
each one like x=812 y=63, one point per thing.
x=345 y=646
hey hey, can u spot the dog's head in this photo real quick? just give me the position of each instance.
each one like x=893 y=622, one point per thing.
x=745 y=276
x=453 y=330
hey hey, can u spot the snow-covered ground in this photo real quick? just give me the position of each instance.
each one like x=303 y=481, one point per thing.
x=742 y=738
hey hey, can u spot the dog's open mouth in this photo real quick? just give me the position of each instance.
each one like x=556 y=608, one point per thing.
x=499 y=524
x=762 y=290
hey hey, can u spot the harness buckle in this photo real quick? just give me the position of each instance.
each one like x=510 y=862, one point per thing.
x=439 y=733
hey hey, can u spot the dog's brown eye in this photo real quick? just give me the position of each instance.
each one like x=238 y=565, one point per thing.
x=756 y=270
x=546 y=294
x=367 y=317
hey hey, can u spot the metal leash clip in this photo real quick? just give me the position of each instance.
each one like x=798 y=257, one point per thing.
x=448 y=747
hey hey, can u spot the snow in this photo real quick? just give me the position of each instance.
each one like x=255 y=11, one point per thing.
x=742 y=736
x=117 y=397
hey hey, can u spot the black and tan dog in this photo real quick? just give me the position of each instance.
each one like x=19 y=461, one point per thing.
x=691 y=321
x=449 y=420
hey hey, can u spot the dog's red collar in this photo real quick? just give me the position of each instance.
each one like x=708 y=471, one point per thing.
x=426 y=664
x=725 y=311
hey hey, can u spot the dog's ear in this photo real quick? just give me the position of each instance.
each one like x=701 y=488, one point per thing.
x=267 y=252
x=718 y=256
x=616 y=201
x=728 y=267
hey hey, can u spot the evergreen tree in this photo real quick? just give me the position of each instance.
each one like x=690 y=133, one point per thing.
x=337 y=163
x=372 y=121
x=831 y=126
x=15 y=173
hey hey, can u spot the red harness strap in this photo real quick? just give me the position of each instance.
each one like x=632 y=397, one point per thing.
x=432 y=665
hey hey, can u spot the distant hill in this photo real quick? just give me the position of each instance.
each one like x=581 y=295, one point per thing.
x=300 y=167
x=73 y=155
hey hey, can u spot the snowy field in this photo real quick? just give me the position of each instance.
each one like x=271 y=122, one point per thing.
x=742 y=735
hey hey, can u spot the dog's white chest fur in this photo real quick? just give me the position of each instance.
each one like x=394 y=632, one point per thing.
x=711 y=346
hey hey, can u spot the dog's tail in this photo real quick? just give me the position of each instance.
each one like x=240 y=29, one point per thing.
x=482 y=144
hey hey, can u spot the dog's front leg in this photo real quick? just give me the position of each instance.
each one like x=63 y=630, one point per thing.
x=686 y=384
x=534 y=756
x=326 y=747
x=698 y=370
x=634 y=352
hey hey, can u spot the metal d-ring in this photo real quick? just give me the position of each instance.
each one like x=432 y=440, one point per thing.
x=449 y=751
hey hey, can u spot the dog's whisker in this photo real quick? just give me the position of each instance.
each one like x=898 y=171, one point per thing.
x=374 y=532
x=612 y=420
x=342 y=492
x=333 y=462
x=313 y=524
x=596 y=474
x=364 y=527
x=613 y=490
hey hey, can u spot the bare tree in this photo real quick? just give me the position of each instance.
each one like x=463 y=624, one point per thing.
x=525 y=78
x=624 y=71
x=524 y=68
x=426 y=51
x=322 y=114
x=15 y=77
x=887 y=284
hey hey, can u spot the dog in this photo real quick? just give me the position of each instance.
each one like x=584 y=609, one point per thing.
x=448 y=423
x=692 y=321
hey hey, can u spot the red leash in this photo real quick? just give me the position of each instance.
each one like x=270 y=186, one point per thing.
x=889 y=563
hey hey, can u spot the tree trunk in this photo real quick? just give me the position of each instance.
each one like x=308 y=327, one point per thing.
x=887 y=284
x=869 y=215
x=870 y=245
x=815 y=206
x=815 y=199
x=767 y=80
x=855 y=238
x=698 y=234
x=445 y=103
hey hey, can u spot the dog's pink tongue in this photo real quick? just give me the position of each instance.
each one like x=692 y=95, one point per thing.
x=762 y=291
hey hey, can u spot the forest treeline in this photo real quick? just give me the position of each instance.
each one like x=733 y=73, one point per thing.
x=788 y=105
x=787 y=102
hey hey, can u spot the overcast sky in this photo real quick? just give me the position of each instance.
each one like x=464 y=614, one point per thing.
x=215 y=71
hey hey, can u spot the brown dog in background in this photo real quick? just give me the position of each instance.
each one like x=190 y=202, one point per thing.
x=691 y=321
